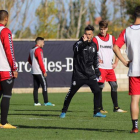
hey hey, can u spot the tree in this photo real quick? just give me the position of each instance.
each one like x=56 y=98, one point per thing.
x=71 y=27
x=130 y=7
x=46 y=14
x=104 y=11
x=62 y=19
x=77 y=11
x=114 y=25
x=17 y=9
x=91 y=11
x=24 y=18
x=25 y=34
x=7 y=5
x=123 y=12
x=119 y=20
x=81 y=17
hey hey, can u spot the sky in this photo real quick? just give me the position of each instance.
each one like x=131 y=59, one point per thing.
x=32 y=19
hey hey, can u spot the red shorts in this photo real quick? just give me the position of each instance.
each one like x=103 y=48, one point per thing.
x=134 y=85
x=107 y=75
x=4 y=75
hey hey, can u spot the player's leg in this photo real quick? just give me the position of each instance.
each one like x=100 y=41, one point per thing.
x=6 y=86
x=74 y=88
x=0 y=91
x=114 y=97
x=134 y=91
x=101 y=86
x=0 y=98
x=96 y=99
x=6 y=82
x=35 y=90
x=134 y=107
x=111 y=79
x=43 y=83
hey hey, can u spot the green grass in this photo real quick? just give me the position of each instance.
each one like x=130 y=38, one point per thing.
x=43 y=123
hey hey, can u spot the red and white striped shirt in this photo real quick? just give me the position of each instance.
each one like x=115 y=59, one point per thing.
x=36 y=60
x=7 y=58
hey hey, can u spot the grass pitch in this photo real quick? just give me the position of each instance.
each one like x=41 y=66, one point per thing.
x=43 y=123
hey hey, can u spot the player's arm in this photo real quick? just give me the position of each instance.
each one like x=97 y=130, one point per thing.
x=116 y=62
x=80 y=45
x=118 y=44
x=119 y=55
x=96 y=64
x=39 y=57
x=6 y=38
x=29 y=60
x=116 y=58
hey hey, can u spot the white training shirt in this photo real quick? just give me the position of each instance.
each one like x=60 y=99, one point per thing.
x=105 y=52
x=35 y=66
x=132 y=40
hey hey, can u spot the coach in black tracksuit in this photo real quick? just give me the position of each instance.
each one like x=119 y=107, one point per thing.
x=85 y=69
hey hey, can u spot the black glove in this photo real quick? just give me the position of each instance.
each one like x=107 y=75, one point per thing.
x=97 y=72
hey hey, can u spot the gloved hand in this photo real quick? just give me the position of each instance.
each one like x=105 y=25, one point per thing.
x=97 y=72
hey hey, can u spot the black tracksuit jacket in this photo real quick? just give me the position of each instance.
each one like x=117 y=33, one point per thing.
x=85 y=60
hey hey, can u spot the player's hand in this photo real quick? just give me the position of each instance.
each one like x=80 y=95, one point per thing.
x=85 y=38
x=114 y=65
x=100 y=61
x=127 y=63
x=100 y=77
x=15 y=74
x=45 y=74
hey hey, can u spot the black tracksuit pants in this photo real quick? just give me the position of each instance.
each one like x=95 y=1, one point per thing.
x=39 y=79
x=74 y=88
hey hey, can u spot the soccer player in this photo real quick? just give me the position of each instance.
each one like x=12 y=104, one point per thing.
x=85 y=71
x=38 y=71
x=104 y=42
x=8 y=69
x=131 y=37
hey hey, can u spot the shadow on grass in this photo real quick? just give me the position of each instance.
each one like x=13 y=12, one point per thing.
x=35 y=114
x=68 y=128
x=22 y=104
x=50 y=110
x=41 y=110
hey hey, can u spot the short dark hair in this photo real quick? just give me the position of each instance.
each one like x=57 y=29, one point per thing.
x=38 y=38
x=137 y=12
x=103 y=24
x=3 y=14
x=89 y=27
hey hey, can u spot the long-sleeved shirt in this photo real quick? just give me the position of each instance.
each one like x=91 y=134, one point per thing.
x=36 y=60
x=85 y=60
x=7 y=58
